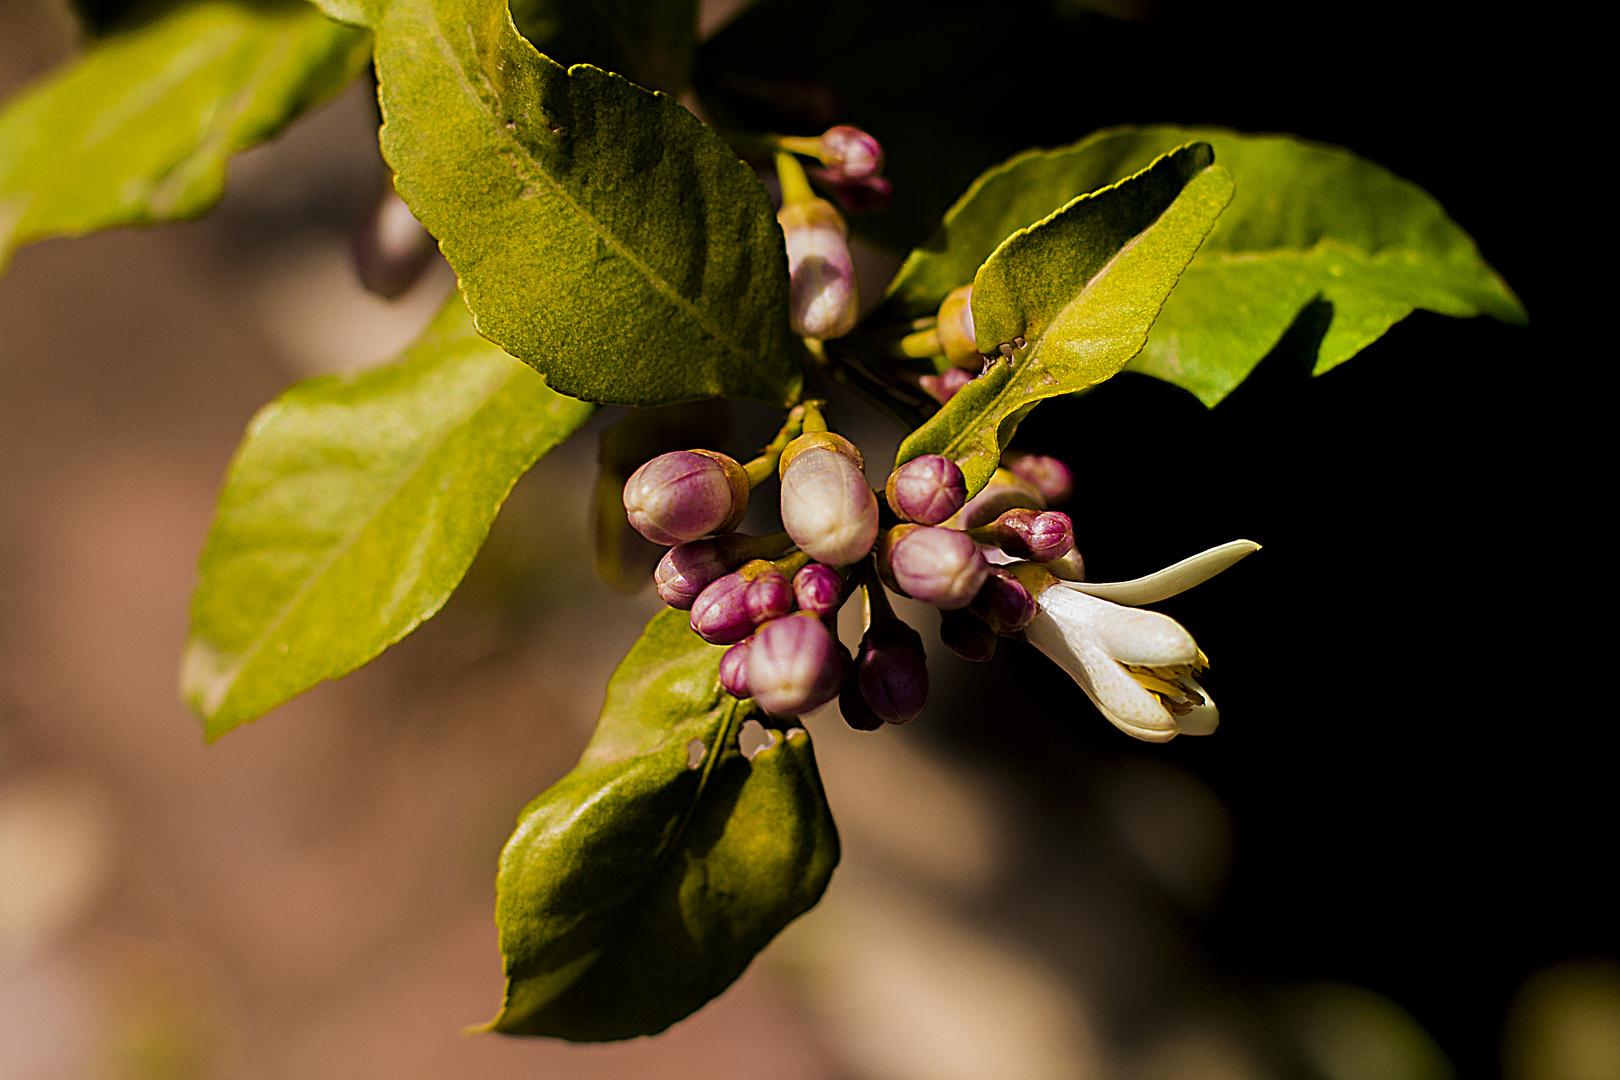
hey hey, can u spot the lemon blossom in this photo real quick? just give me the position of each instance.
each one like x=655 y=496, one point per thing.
x=1138 y=667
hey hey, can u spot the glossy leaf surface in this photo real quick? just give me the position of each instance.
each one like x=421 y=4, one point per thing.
x=1082 y=287
x=1307 y=221
x=601 y=232
x=353 y=508
x=641 y=884
x=139 y=129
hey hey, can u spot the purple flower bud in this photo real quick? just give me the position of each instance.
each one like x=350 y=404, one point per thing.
x=827 y=507
x=944 y=386
x=685 y=571
x=893 y=672
x=821 y=275
x=967 y=635
x=685 y=495
x=818 y=589
x=391 y=249
x=1031 y=534
x=1004 y=603
x=729 y=609
x=868 y=195
x=1004 y=492
x=927 y=489
x=794 y=665
x=734 y=670
x=955 y=330
x=938 y=566
x=851 y=152
x=1053 y=478
x=852 y=704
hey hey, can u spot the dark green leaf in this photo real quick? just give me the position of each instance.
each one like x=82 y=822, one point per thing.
x=139 y=129
x=600 y=231
x=1082 y=287
x=353 y=508
x=1307 y=221
x=649 y=42
x=640 y=886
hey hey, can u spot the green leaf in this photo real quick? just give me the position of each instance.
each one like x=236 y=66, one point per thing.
x=649 y=42
x=1082 y=287
x=641 y=885
x=601 y=232
x=140 y=127
x=353 y=508
x=1307 y=221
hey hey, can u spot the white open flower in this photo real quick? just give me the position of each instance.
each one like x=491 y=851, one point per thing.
x=1138 y=667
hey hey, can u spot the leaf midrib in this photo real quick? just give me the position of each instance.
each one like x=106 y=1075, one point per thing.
x=521 y=153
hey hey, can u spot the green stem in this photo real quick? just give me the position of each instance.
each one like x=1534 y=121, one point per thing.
x=795 y=185
x=763 y=467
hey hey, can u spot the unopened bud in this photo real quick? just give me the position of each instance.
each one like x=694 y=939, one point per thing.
x=818 y=589
x=685 y=571
x=729 y=609
x=734 y=670
x=1054 y=479
x=1038 y=535
x=1004 y=603
x=1004 y=492
x=391 y=249
x=955 y=329
x=827 y=507
x=868 y=195
x=851 y=152
x=852 y=704
x=967 y=635
x=938 y=566
x=943 y=387
x=927 y=489
x=794 y=665
x=686 y=495
x=893 y=671
x=822 y=302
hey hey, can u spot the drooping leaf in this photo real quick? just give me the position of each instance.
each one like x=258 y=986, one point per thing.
x=353 y=508
x=641 y=884
x=601 y=232
x=1307 y=221
x=649 y=42
x=140 y=127
x=1081 y=287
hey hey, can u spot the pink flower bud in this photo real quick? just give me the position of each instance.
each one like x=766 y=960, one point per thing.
x=1004 y=492
x=821 y=276
x=1051 y=476
x=927 y=489
x=734 y=670
x=851 y=152
x=1004 y=603
x=794 y=665
x=868 y=195
x=966 y=635
x=852 y=704
x=1031 y=534
x=955 y=330
x=944 y=386
x=938 y=566
x=827 y=507
x=729 y=609
x=818 y=589
x=893 y=672
x=686 y=495
x=391 y=249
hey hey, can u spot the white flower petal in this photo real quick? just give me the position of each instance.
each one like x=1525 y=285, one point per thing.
x=1127 y=634
x=1172 y=579
x=1110 y=687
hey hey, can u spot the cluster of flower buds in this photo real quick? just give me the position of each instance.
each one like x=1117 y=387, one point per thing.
x=851 y=167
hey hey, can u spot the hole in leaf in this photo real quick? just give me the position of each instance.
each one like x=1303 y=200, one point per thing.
x=753 y=738
x=695 y=753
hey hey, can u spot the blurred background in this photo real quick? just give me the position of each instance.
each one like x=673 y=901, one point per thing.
x=1387 y=865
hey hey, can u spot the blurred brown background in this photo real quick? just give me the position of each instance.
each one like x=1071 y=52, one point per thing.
x=1371 y=873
